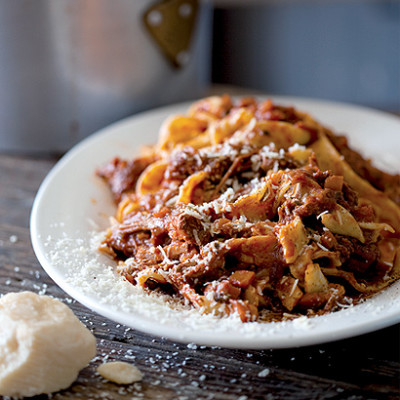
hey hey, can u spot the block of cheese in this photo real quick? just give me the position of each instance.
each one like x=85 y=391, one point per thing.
x=43 y=345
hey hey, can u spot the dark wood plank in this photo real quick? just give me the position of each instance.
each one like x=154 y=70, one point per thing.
x=364 y=367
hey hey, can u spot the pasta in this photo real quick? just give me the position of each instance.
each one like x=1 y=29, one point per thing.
x=253 y=209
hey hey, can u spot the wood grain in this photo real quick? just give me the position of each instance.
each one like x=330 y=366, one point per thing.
x=364 y=367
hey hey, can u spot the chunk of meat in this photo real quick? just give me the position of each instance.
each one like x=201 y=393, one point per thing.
x=122 y=175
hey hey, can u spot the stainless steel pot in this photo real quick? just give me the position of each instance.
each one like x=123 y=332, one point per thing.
x=70 y=67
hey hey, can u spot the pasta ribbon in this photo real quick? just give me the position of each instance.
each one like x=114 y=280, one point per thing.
x=342 y=222
x=151 y=178
x=180 y=129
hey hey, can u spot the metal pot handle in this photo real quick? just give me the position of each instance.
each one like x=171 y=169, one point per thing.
x=171 y=25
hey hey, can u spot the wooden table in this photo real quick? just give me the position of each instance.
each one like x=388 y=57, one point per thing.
x=364 y=367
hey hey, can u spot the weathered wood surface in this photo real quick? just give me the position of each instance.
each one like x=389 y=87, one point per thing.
x=364 y=367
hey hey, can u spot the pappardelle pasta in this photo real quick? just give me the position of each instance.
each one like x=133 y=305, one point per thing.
x=253 y=209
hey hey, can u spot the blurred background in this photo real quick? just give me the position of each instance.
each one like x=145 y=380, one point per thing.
x=71 y=67
x=339 y=50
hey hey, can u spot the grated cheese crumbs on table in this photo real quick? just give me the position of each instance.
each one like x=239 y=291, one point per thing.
x=120 y=372
x=13 y=238
x=264 y=373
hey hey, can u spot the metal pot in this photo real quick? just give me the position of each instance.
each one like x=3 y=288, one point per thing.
x=70 y=67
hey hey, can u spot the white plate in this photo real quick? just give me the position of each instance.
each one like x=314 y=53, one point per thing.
x=72 y=204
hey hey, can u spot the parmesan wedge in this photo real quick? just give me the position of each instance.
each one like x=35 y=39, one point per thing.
x=43 y=345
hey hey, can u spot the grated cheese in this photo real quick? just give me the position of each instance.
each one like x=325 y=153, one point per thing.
x=166 y=259
x=295 y=147
x=293 y=287
x=322 y=247
x=321 y=214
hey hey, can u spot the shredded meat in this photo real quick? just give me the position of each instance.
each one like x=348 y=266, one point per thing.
x=122 y=175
